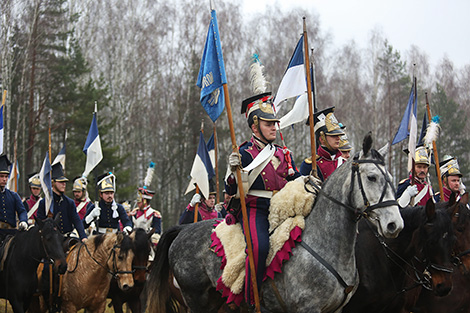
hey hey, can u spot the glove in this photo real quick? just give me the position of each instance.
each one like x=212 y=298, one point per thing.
x=22 y=226
x=127 y=230
x=234 y=160
x=94 y=214
x=412 y=190
x=196 y=199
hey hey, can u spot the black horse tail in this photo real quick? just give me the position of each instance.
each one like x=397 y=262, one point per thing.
x=159 y=297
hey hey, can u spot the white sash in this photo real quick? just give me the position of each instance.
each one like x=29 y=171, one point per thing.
x=81 y=205
x=34 y=208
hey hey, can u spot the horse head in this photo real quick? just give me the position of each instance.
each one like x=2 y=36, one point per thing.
x=432 y=244
x=142 y=246
x=120 y=260
x=51 y=242
x=371 y=192
x=460 y=214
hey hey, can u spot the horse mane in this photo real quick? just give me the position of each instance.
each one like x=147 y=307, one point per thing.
x=126 y=244
x=98 y=240
x=141 y=243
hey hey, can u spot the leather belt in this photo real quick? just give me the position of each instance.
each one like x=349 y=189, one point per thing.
x=104 y=230
x=4 y=225
x=262 y=193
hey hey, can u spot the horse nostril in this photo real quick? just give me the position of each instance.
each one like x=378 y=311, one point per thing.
x=391 y=227
x=442 y=290
x=125 y=287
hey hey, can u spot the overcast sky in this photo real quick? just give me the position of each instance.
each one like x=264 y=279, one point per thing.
x=437 y=27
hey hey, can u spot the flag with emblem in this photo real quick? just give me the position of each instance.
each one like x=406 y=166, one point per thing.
x=211 y=76
x=46 y=182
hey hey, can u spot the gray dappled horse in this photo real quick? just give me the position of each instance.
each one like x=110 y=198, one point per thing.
x=323 y=283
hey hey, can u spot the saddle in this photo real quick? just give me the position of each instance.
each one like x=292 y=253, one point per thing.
x=287 y=211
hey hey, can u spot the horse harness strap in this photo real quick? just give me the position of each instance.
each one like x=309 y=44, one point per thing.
x=278 y=296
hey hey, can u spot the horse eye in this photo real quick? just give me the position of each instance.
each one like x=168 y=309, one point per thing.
x=372 y=178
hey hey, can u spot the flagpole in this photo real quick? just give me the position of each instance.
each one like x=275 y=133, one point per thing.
x=216 y=151
x=313 y=147
x=436 y=156
x=95 y=171
x=15 y=167
x=242 y=202
x=4 y=98
x=411 y=153
x=50 y=145
x=196 y=207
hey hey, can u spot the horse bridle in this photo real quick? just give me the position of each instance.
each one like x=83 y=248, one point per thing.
x=358 y=213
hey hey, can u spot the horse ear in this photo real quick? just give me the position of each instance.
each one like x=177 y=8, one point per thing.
x=384 y=150
x=39 y=222
x=464 y=198
x=119 y=237
x=367 y=143
x=430 y=210
x=452 y=199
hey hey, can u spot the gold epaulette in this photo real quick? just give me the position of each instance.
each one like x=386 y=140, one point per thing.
x=308 y=160
x=157 y=214
x=402 y=181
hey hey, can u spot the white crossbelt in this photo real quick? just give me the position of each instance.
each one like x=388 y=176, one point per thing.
x=260 y=193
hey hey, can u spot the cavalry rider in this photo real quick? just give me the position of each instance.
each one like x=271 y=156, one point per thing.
x=345 y=148
x=268 y=167
x=144 y=216
x=108 y=213
x=31 y=203
x=80 y=195
x=451 y=179
x=11 y=205
x=421 y=190
x=327 y=133
x=206 y=207
x=63 y=206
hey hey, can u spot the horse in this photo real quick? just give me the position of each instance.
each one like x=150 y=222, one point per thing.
x=392 y=272
x=18 y=277
x=91 y=266
x=459 y=299
x=142 y=247
x=359 y=188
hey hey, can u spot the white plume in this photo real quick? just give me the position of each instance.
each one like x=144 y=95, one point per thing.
x=258 y=81
x=432 y=132
x=149 y=176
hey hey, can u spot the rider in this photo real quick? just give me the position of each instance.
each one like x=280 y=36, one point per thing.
x=327 y=132
x=269 y=175
x=451 y=179
x=11 y=205
x=80 y=195
x=345 y=148
x=31 y=203
x=63 y=206
x=421 y=190
x=206 y=207
x=144 y=216
x=108 y=213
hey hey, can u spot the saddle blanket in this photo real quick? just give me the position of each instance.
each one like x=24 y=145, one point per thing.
x=287 y=213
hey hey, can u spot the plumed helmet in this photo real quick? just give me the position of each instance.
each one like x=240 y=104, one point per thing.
x=106 y=182
x=58 y=173
x=449 y=167
x=144 y=193
x=34 y=180
x=79 y=184
x=4 y=164
x=421 y=156
x=325 y=121
x=259 y=106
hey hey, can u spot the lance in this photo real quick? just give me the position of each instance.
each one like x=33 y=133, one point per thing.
x=412 y=153
x=313 y=146
x=436 y=157
x=50 y=144
x=216 y=152
x=4 y=98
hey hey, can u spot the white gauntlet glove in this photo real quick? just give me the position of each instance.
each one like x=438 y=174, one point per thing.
x=22 y=226
x=234 y=160
x=94 y=214
x=196 y=199
x=127 y=230
x=409 y=192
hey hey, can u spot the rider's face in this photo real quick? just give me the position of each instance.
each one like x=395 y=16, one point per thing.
x=268 y=129
x=421 y=170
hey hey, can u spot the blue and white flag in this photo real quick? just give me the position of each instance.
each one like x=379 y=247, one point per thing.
x=202 y=170
x=60 y=158
x=294 y=82
x=46 y=183
x=212 y=72
x=12 y=183
x=1 y=129
x=92 y=148
x=211 y=150
x=409 y=126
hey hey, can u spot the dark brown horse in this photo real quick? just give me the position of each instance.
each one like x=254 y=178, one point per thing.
x=459 y=299
x=392 y=272
x=142 y=247
x=91 y=266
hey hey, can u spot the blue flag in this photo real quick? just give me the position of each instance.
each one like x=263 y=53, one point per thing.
x=409 y=117
x=212 y=72
x=92 y=148
x=202 y=170
x=46 y=183
x=423 y=130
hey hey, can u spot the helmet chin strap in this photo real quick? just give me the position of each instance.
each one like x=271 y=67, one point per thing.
x=323 y=136
x=263 y=138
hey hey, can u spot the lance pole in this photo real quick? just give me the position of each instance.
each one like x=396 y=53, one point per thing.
x=216 y=152
x=242 y=202
x=196 y=207
x=436 y=156
x=313 y=146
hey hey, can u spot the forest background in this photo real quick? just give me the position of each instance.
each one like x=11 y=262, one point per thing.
x=139 y=61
